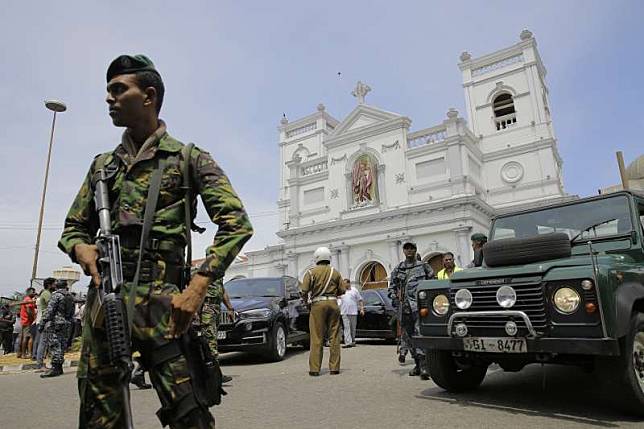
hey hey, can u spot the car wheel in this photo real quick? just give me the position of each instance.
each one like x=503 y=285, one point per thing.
x=277 y=343
x=451 y=375
x=624 y=375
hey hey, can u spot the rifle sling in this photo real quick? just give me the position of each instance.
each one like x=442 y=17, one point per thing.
x=187 y=201
x=148 y=217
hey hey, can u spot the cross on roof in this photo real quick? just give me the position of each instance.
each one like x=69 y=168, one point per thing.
x=361 y=91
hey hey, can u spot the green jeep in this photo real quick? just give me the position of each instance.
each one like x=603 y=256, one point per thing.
x=562 y=284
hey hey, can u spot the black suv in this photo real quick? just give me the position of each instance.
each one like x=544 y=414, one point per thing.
x=269 y=315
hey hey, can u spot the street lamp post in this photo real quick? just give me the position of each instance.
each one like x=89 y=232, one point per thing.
x=55 y=106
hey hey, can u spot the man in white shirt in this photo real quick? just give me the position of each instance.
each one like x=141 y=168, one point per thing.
x=349 y=303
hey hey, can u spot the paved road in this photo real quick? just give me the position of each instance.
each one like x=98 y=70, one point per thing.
x=372 y=391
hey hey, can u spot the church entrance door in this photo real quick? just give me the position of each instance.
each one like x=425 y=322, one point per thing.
x=373 y=276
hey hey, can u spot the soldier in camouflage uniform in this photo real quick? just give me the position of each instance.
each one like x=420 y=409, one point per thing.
x=405 y=278
x=210 y=313
x=207 y=320
x=162 y=313
x=57 y=321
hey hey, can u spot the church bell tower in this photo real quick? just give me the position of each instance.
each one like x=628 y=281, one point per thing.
x=508 y=108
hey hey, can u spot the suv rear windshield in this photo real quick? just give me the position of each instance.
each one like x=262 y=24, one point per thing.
x=243 y=288
x=591 y=219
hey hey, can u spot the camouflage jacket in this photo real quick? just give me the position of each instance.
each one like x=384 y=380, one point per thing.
x=215 y=293
x=128 y=192
x=408 y=276
x=60 y=310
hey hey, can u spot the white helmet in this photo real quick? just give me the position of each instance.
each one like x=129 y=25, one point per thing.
x=322 y=254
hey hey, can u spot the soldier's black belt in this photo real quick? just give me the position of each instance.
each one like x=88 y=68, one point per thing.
x=150 y=272
x=132 y=240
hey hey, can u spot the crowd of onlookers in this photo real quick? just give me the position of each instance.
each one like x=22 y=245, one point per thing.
x=22 y=329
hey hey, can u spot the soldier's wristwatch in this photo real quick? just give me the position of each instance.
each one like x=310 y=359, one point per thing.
x=208 y=274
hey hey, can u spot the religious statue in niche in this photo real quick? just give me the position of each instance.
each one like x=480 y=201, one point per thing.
x=363 y=181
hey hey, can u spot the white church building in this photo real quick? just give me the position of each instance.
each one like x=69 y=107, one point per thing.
x=367 y=183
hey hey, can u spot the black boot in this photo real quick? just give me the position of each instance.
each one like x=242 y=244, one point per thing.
x=55 y=371
x=415 y=371
x=138 y=379
x=424 y=371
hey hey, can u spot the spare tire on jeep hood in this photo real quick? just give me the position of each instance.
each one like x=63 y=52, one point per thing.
x=519 y=251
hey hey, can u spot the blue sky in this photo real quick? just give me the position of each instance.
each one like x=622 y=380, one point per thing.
x=232 y=68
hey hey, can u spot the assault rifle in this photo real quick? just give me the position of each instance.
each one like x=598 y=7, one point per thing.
x=400 y=288
x=398 y=299
x=111 y=302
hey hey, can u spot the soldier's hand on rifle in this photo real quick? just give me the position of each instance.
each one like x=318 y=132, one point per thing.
x=185 y=305
x=87 y=255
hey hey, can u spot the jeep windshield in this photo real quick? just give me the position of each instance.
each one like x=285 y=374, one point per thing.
x=583 y=221
x=258 y=287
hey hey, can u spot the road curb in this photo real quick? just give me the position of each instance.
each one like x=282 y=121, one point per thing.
x=33 y=366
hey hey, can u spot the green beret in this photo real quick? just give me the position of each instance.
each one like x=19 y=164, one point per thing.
x=125 y=64
x=477 y=236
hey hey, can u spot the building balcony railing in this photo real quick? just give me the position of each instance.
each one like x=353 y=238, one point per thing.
x=426 y=136
x=301 y=130
x=318 y=167
x=505 y=121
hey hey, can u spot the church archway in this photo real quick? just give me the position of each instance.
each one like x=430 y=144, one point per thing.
x=434 y=260
x=373 y=276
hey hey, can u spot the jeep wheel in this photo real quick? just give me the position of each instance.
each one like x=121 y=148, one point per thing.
x=624 y=375
x=277 y=343
x=452 y=375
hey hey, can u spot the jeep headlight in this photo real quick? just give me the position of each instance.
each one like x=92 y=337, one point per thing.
x=566 y=300
x=259 y=313
x=440 y=305
x=463 y=299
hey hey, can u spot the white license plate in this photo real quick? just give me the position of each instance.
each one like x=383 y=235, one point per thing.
x=221 y=335
x=495 y=345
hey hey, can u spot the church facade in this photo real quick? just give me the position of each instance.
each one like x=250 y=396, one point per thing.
x=367 y=183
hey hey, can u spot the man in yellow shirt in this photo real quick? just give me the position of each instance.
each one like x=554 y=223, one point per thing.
x=449 y=267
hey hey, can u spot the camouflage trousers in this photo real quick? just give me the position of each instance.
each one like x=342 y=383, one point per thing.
x=103 y=387
x=209 y=323
x=409 y=327
x=57 y=336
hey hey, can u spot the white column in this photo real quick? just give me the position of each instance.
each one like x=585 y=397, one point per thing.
x=394 y=254
x=335 y=262
x=294 y=186
x=464 y=254
x=281 y=269
x=344 y=262
x=292 y=264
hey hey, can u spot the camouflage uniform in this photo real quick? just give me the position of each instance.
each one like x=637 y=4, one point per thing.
x=408 y=276
x=99 y=384
x=58 y=324
x=208 y=317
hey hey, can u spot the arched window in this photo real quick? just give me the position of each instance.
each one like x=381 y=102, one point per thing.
x=504 y=113
x=373 y=276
